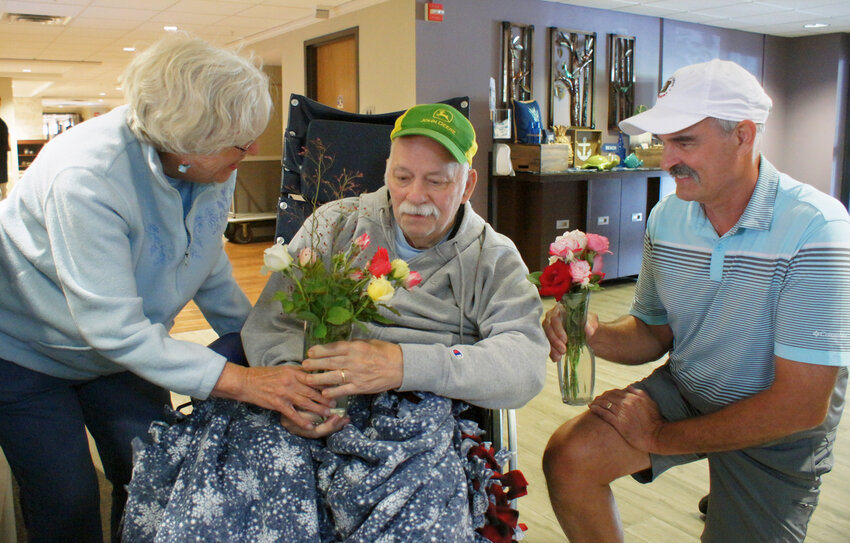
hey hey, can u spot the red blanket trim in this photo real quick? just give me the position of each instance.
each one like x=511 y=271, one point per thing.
x=501 y=518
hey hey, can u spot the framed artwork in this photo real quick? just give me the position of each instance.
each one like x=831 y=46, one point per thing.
x=571 y=67
x=517 y=66
x=621 y=79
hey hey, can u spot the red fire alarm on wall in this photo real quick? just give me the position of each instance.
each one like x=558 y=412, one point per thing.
x=433 y=12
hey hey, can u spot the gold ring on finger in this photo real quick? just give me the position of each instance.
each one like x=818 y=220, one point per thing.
x=609 y=405
x=342 y=376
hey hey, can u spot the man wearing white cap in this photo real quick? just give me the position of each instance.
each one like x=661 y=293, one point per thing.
x=744 y=285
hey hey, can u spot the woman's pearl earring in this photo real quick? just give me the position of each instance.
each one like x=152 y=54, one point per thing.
x=183 y=168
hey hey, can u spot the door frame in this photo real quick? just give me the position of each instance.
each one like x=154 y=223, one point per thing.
x=311 y=71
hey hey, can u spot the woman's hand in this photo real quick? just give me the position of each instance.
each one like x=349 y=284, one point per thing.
x=282 y=388
x=355 y=367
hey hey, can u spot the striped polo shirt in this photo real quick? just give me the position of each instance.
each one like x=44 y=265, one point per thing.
x=777 y=283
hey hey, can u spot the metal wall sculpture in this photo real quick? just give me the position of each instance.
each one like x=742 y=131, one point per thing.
x=572 y=59
x=517 y=66
x=621 y=74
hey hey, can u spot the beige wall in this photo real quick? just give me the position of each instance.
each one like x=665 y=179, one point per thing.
x=7 y=113
x=387 y=56
x=271 y=140
x=28 y=122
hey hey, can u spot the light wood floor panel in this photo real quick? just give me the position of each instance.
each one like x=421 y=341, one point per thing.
x=661 y=512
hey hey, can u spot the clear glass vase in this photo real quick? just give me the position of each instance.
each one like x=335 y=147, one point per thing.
x=333 y=333
x=577 y=368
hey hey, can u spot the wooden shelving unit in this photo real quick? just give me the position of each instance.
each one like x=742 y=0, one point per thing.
x=27 y=151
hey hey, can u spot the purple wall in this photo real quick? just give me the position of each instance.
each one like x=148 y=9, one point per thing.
x=806 y=77
x=689 y=43
x=459 y=56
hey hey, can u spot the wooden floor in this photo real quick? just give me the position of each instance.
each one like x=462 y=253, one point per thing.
x=662 y=512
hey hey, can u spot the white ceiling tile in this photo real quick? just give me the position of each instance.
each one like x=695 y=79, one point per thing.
x=834 y=10
x=207 y=6
x=649 y=10
x=277 y=12
x=253 y=24
x=147 y=4
x=776 y=18
x=183 y=18
x=103 y=24
x=43 y=8
x=600 y=4
x=690 y=5
x=740 y=10
x=801 y=4
x=117 y=13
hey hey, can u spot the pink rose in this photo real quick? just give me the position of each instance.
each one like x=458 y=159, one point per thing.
x=567 y=244
x=580 y=271
x=596 y=270
x=597 y=264
x=413 y=279
x=597 y=243
x=363 y=241
x=306 y=256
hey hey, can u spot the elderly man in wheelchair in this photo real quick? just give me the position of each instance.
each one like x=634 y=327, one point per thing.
x=397 y=466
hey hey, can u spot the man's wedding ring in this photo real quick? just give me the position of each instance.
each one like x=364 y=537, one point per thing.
x=342 y=376
x=609 y=406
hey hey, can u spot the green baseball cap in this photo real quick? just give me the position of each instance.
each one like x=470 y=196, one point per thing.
x=442 y=123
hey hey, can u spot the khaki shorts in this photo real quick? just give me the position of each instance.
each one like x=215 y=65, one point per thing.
x=761 y=494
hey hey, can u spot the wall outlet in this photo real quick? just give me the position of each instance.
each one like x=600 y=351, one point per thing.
x=562 y=224
x=602 y=221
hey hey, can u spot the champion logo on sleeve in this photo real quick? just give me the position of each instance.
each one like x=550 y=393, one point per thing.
x=457 y=354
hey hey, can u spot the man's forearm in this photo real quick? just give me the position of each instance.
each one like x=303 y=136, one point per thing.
x=798 y=400
x=629 y=340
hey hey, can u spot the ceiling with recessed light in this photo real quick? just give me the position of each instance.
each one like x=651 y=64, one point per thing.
x=77 y=59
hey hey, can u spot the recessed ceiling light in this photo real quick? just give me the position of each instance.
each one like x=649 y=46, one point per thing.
x=129 y=49
x=170 y=28
x=815 y=25
x=102 y=94
x=27 y=70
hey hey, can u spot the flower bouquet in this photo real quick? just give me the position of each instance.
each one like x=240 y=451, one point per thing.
x=575 y=269
x=331 y=295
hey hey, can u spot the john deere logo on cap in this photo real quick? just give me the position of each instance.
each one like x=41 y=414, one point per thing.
x=443 y=114
x=666 y=88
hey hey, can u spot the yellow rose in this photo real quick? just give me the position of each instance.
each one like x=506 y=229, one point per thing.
x=380 y=289
x=399 y=269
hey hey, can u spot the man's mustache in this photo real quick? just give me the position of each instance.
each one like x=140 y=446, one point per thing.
x=682 y=170
x=422 y=209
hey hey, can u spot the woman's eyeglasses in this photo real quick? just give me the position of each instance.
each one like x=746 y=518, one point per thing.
x=245 y=148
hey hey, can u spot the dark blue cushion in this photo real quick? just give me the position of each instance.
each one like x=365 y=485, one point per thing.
x=527 y=123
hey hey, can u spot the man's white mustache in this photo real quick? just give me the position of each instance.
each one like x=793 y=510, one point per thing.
x=422 y=209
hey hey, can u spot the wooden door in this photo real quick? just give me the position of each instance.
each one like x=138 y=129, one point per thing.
x=332 y=70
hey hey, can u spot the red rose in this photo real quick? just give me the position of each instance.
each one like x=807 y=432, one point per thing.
x=556 y=280
x=380 y=265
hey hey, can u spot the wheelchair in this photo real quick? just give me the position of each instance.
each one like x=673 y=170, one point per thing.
x=321 y=142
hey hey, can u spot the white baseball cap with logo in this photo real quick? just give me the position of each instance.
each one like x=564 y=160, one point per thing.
x=718 y=88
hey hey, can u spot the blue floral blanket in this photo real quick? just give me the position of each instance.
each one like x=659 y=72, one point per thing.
x=230 y=472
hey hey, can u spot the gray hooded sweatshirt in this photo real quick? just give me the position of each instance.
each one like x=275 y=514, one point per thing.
x=469 y=331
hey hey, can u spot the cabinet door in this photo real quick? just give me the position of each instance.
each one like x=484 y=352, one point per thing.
x=632 y=224
x=603 y=217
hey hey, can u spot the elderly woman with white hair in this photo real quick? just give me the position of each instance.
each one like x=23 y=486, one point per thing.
x=113 y=229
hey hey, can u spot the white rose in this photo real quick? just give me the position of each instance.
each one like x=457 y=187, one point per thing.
x=276 y=258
